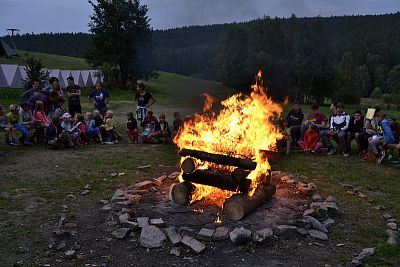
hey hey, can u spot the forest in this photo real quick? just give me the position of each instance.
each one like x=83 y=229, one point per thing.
x=311 y=59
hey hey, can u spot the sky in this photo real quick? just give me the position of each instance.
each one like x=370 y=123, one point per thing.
x=73 y=15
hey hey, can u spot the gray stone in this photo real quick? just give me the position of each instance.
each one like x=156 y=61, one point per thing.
x=302 y=223
x=146 y=185
x=302 y=231
x=173 y=236
x=120 y=233
x=131 y=225
x=157 y=222
x=285 y=231
x=392 y=241
x=205 y=234
x=70 y=254
x=175 y=251
x=331 y=199
x=116 y=207
x=221 y=233
x=320 y=210
x=187 y=231
x=365 y=253
x=316 y=224
x=318 y=234
x=316 y=198
x=390 y=232
x=328 y=223
x=70 y=197
x=392 y=226
x=391 y=220
x=88 y=187
x=124 y=217
x=113 y=174
x=143 y=222
x=387 y=216
x=104 y=201
x=85 y=192
x=116 y=199
x=240 y=235
x=306 y=191
x=333 y=209
x=152 y=237
x=107 y=207
x=263 y=235
x=193 y=243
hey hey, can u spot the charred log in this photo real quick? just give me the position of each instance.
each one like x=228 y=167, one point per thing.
x=215 y=179
x=189 y=165
x=238 y=206
x=239 y=174
x=219 y=159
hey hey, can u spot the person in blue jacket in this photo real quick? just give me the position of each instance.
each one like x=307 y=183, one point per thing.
x=383 y=137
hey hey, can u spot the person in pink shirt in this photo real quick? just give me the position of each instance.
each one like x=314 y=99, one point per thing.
x=39 y=115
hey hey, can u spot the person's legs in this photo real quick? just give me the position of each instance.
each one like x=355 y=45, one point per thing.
x=342 y=142
x=375 y=142
x=301 y=145
x=295 y=133
x=349 y=137
x=288 y=145
x=317 y=146
x=325 y=140
x=358 y=142
x=304 y=128
x=135 y=135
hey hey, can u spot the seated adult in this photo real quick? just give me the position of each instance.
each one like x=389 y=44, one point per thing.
x=395 y=126
x=356 y=128
x=100 y=99
x=315 y=117
x=294 y=119
x=339 y=125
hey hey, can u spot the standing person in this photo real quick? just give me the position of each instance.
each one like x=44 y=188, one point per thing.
x=100 y=99
x=142 y=99
x=73 y=93
x=294 y=119
x=383 y=137
x=55 y=87
x=356 y=128
x=338 y=129
x=316 y=118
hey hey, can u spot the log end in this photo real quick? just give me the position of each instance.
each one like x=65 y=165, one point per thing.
x=181 y=193
x=233 y=209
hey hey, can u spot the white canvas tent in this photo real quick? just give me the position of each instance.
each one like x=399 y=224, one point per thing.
x=94 y=74
x=64 y=75
x=12 y=75
x=87 y=78
x=23 y=72
x=3 y=81
x=77 y=77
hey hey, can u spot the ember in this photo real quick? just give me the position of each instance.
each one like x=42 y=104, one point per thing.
x=224 y=154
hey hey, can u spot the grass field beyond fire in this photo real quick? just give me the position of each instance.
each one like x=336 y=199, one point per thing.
x=35 y=181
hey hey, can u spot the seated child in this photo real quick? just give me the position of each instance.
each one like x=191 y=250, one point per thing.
x=15 y=120
x=383 y=137
x=149 y=124
x=109 y=128
x=162 y=129
x=132 y=128
x=310 y=143
x=4 y=126
x=70 y=133
x=58 y=111
x=81 y=125
x=39 y=114
x=92 y=131
x=53 y=133
x=99 y=121
x=178 y=122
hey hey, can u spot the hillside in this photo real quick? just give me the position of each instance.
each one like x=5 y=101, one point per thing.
x=50 y=61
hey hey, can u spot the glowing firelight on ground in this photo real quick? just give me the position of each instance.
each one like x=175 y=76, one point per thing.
x=243 y=128
x=218 y=220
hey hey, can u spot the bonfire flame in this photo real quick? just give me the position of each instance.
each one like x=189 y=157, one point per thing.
x=242 y=129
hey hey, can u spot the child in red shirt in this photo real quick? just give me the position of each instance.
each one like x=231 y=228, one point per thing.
x=311 y=137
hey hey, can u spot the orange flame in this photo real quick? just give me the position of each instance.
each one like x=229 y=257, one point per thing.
x=286 y=100
x=208 y=103
x=243 y=128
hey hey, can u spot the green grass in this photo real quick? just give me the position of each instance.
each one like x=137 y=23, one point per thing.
x=50 y=61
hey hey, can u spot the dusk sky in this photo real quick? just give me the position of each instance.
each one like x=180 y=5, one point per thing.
x=73 y=15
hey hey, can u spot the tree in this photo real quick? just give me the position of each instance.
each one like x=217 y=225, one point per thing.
x=376 y=93
x=394 y=80
x=34 y=72
x=348 y=91
x=120 y=30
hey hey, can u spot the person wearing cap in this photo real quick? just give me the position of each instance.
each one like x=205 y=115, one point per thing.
x=14 y=119
x=70 y=133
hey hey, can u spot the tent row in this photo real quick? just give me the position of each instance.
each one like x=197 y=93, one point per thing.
x=13 y=76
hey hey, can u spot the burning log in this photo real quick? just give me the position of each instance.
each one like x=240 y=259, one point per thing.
x=238 y=206
x=219 y=159
x=219 y=180
x=239 y=174
x=189 y=165
x=182 y=193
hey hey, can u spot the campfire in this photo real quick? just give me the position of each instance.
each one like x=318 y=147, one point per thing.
x=226 y=155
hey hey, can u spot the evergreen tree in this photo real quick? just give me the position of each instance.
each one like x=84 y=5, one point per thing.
x=394 y=80
x=34 y=72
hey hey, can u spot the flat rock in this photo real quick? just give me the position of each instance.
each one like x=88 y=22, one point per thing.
x=387 y=216
x=328 y=223
x=142 y=221
x=152 y=237
x=107 y=207
x=193 y=243
x=175 y=251
x=173 y=236
x=221 y=233
x=85 y=192
x=70 y=197
x=160 y=180
x=186 y=231
x=263 y=235
x=365 y=253
x=240 y=235
x=157 y=222
x=124 y=217
x=120 y=233
x=119 y=193
x=392 y=241
x=145 y=185
x=333 y=209
x=144 y=167
x=391 y=220
x=116 y=199
x=285 y=231
x=88 y=187
x=104 y=201
x=392 y=226
x=205 y=234
x=318 y=234
x=320 y=210
x=113 y=174
x=131 y=225
x=391 y=232
x=316 y=224
x=302 y=231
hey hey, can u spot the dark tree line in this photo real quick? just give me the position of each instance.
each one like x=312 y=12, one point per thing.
x=343 y=58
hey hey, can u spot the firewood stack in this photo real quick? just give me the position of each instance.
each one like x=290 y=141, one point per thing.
x=238 y=205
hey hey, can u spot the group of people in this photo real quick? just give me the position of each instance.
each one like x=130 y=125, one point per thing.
x=374 y=133
x=42 y=117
